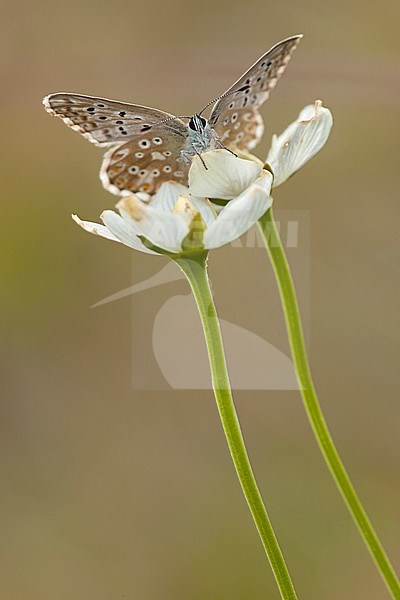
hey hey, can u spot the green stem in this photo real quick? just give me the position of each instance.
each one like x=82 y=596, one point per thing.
x=293 y=323
x=196 y=272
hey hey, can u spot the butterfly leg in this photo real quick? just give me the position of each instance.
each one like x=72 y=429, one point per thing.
x=220 y=145
x=201 y=158
x=217 y=143
x=187 y=156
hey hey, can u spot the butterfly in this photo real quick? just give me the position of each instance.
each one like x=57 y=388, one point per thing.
x=148 y=147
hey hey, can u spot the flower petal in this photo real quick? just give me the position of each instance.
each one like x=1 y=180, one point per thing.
x=265 y=181
x=163 y=229
x=184 y=208
x=165 y=198
x=96 y=229
x=205 y=209
x=123 y=231
x=168 y=194
x=123 y=237
x=238 y=216
x=299 y=142
x=225 y=177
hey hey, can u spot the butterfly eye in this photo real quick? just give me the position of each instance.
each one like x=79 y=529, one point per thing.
x=197 y=123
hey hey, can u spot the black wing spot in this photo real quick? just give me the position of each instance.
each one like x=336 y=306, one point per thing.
x=122 y=113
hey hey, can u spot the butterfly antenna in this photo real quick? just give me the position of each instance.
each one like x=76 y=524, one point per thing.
x=147 y=127
x=242 y=89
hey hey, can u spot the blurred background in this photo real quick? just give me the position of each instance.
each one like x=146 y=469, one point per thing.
x=110 y=492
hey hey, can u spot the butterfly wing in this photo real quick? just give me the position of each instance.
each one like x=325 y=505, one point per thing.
x=107 y=122
x=142 y=164
x=235 y=117
x=144 y=152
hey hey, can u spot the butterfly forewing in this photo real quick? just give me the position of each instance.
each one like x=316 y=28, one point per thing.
x=105 y=122
x=235 y=117
x=144 y=163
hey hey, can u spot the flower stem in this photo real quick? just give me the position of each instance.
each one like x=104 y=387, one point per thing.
x=287 y=292
x=196 y=272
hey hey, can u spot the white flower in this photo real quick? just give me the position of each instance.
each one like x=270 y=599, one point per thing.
x=180 y=219
x=221 y=174
x=226 y=175
x=299 y=142
x=176 y=222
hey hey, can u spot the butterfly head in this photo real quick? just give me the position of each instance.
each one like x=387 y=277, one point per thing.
x=197 y=123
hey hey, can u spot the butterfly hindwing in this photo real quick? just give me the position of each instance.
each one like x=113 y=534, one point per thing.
x=143 y=164
x=241 y=128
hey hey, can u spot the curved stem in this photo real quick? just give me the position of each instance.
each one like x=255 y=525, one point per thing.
x=293 y=323
x=196 y=273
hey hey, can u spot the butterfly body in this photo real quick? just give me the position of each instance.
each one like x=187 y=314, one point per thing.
x=149 y=146
x=202 y=137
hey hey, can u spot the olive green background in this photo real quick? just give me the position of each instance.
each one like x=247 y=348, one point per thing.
x=112 y=493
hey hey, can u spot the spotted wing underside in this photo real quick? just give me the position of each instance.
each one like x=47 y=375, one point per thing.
x=144 y=152
x=144 y=163
x=107 y=122
x=235 y=117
